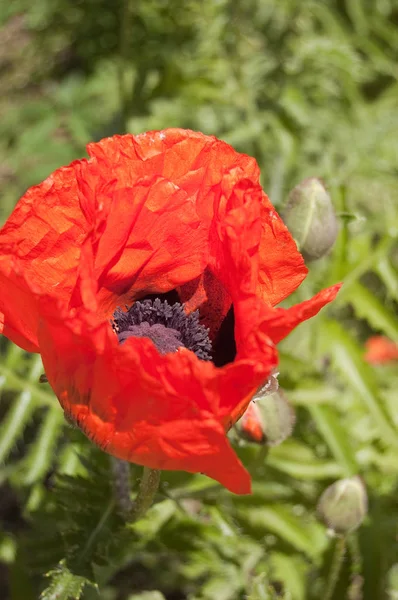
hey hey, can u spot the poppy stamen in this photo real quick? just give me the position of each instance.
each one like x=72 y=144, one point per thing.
x=166 y=325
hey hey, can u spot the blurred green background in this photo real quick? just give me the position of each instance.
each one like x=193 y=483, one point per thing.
x=310 y=89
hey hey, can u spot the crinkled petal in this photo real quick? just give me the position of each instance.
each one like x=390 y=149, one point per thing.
x=164 y=185
x=207 y=294
x=191 y=160
x=282 y=267
x=279 y=322
x=45 y=231
x=39 y=244
x=19 y=323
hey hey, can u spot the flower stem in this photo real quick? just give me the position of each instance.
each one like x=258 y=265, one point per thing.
x=356 y=584
x=121 y=485
x=261 y=456
x=335 y=568
x=148 y=487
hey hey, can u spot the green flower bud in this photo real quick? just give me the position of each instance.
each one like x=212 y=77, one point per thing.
x=269 y=420
x=343 y=505
x=309 y=215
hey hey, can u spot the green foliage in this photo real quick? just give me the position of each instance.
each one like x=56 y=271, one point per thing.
x=64 y=584
x=309 y=88
x=23 y=395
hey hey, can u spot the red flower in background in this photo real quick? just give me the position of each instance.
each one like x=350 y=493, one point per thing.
x=172 y=216
x=380 y=349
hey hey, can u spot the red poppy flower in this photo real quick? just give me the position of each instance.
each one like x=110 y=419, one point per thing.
x=148 y=221
x=380 y=349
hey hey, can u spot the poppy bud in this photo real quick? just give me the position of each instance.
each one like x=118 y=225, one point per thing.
x=268 y=420
x=343 y=505
x=309 y=215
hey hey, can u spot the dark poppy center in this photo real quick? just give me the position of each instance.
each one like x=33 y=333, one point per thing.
x=166 y=325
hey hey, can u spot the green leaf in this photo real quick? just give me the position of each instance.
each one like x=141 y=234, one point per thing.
x=319 y=469
x=9 y=379
x=339 y=264
x=292 y=571
x=347 y=357
x=393 y=582
x=368 y=307
x=19 y=414
x=368 y=261
x=299 y=461
x=40 y=455
x=261 y=590
x=64 y=585
x=314 y=395
x=389 y=276
x=14 y=423
x=224 y=587
x=303 y=534
x=157 y=515
x=8 y=548
x=330 y=425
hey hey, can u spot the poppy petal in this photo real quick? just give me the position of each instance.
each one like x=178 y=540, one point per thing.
x=168 y=183
x=206 y=294
x=41 y=240
x=20 y=324
x=279 y=322
x=282 y=267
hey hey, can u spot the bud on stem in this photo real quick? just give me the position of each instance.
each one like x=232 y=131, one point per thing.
x=309 y=215
x=268 y=420
x=343 y=505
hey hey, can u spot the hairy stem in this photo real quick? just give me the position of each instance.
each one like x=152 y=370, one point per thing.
x=121 y=485
x=335 y=568
x=146 y=493
x=356 y=584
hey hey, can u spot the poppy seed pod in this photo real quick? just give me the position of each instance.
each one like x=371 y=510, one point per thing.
x=343 y=505
x=268 y=420
x=309 y=215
